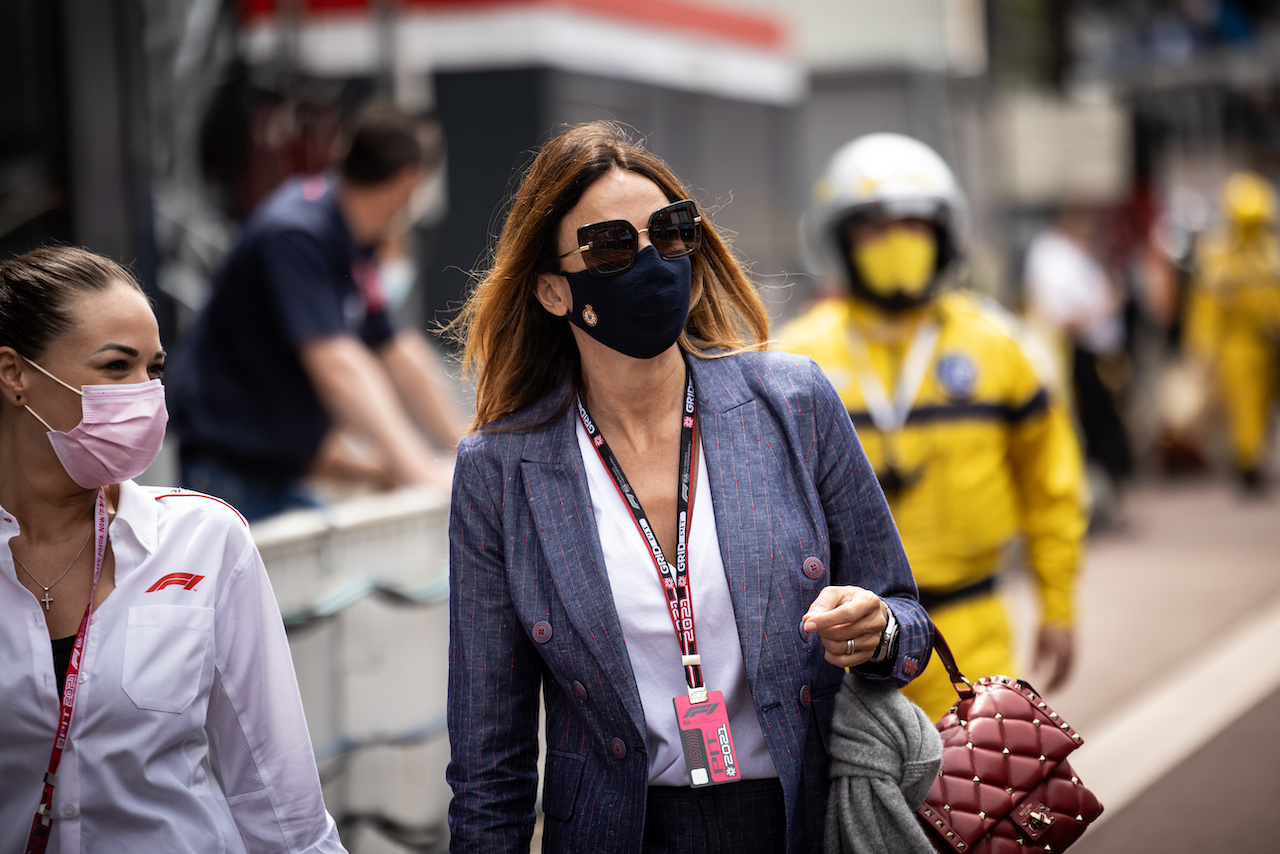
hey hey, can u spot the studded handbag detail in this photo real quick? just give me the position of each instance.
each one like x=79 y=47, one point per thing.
x=1005 y=784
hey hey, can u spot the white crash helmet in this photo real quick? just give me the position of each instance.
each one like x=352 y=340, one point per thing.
x=884 y=175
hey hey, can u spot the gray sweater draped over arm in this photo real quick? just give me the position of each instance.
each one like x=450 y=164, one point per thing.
x=885 y=754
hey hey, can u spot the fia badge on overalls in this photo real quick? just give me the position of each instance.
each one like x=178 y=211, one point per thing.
x=707 y=740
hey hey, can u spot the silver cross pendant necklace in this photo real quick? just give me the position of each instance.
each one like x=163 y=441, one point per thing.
x=48 y=600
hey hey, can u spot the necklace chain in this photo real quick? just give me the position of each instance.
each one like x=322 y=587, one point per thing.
x=48 y=600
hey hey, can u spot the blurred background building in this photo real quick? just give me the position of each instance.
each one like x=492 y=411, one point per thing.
x=147 y=129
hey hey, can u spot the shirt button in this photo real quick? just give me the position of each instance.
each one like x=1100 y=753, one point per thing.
x=69 y=811
x=542 y=631
x=579 y=690
x=805 y=699
x=619 y=748
x=84 y=677
x=814 y=568
x=804 y=636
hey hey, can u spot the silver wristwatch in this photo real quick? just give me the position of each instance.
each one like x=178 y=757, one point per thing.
x=888 y=638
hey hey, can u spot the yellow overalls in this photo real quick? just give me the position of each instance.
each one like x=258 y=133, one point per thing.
x=1233 y=326
x=984 y=455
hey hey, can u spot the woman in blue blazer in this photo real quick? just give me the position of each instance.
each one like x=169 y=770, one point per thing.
x=671 y=535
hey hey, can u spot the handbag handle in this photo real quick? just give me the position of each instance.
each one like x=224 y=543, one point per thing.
x=949 y=661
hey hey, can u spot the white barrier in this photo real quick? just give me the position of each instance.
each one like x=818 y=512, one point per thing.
x=363 y=586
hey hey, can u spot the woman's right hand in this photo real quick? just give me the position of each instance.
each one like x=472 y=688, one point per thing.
x=843 y=614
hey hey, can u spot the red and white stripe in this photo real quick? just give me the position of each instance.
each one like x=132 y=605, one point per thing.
x=669 y=43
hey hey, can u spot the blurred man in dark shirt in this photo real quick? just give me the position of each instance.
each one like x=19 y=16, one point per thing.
x=296 y=351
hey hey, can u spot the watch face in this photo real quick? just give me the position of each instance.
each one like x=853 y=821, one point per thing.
x=887 y=639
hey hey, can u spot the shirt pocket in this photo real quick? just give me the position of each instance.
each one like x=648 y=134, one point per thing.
x=164 y=655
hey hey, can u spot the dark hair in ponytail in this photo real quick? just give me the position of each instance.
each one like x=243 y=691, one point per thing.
x=38 y=288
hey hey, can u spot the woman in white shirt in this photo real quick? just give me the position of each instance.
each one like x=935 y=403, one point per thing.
x=148 y=700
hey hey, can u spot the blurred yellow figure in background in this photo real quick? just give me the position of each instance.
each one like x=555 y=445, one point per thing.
x=969 y=445
x=1233 y=317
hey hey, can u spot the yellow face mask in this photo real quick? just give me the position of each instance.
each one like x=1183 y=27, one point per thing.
x=900 y=260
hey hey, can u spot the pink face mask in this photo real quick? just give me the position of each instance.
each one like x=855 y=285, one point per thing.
x=119 y=435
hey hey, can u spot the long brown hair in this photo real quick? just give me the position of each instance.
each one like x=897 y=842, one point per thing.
x=519 y=351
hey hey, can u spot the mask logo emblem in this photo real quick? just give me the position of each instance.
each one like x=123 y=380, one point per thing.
x=589 y=316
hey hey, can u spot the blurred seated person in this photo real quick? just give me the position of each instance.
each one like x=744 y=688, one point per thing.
x=295 y=369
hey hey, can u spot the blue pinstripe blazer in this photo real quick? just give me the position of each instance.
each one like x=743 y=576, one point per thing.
x=530 y=607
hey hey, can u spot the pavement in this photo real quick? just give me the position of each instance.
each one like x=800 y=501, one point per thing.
x=1177 y=683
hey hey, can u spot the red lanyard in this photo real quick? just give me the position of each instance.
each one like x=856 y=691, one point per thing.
x=42 y=824
x=675 y=581
x=364 y=272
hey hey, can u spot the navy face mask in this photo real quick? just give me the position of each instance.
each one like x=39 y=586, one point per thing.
x=641 y=312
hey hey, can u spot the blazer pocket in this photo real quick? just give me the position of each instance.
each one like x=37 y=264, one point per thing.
x=164 y=655
x=564 y=776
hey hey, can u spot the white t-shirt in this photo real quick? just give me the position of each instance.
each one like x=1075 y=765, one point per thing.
x=188 y=733
x=650 y=637
x=1066 y=286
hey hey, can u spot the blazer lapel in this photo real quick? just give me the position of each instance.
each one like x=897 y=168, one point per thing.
x=739 y=475
x=561 y=506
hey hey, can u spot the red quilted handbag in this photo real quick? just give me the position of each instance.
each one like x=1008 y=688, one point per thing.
x=1005 y=784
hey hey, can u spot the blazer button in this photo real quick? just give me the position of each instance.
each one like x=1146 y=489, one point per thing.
x=805 y=699
x=814 y=568
x=579 y=690
x=619 y=748
x=804 y=636
x=542 y=631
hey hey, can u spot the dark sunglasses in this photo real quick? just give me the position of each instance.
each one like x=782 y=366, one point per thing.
x=610 y=247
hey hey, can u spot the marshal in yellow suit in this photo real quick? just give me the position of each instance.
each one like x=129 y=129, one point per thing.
x=1233 y=318
x=984 y=456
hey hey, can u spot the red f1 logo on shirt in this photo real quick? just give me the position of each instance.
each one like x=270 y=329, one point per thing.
x=184 y=579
